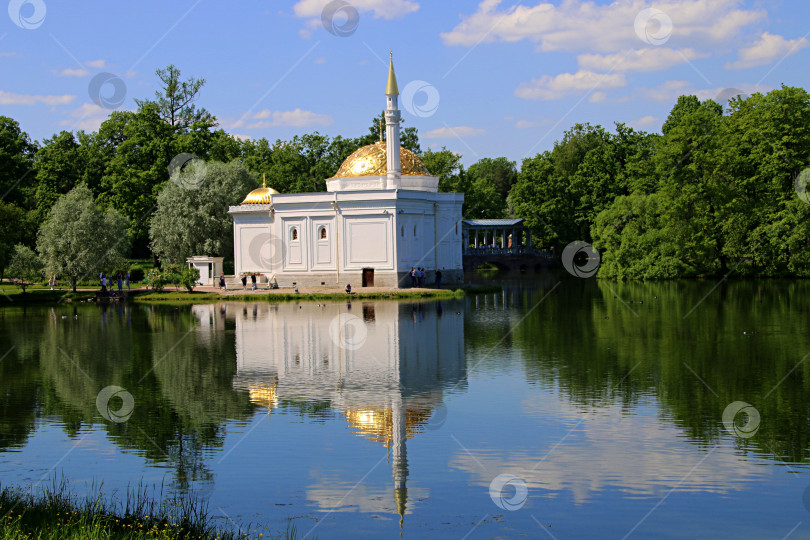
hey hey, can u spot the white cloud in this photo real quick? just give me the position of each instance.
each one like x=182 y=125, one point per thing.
x=295 y=118
x=241 y=137
x=10 y=98
x=386 y=9
x=564 y=84
x=669 y=91
x=646 y=59
x=597 y=97
x=581 y=25
x=72 y=72
x=645 y=122
x=88 y=117
x=453 y=132
x=768 y=49
x=100 y=63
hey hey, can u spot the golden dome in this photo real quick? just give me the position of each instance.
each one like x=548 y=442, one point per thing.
x=371 y=160
x=262 y=195
x=378 y=424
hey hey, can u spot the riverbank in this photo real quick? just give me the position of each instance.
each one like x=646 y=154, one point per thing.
x=55 y=513
x=203 y=295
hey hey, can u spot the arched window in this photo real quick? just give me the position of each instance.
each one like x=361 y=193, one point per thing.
x=414 y=230
x=295 y=233
x=322 y=233
x=402 y=231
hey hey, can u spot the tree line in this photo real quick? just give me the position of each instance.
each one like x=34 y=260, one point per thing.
x=714 y=192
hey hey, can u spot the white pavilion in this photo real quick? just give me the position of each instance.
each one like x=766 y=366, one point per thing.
x=381 y=215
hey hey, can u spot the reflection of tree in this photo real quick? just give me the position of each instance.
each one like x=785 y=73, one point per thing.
x=597 y=351
x=179 y=376
x=19 y=376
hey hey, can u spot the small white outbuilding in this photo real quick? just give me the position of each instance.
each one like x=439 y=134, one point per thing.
x=210 y=268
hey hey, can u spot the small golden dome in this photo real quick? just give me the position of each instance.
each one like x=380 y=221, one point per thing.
x=371 y=160
x=262 y=195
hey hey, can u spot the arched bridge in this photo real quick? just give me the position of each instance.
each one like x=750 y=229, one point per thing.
x=505 y=243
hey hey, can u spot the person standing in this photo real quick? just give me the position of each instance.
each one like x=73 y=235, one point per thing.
x=413 y=276
x=103 y=283
x=222 y=280
x=438 y=279
x=127 y=279
x=244 y=281
x=253 y=281
x=120 y=282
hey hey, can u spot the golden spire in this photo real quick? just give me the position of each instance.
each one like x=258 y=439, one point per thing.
x=264 y=180
x=391 y=88
x=381 y=131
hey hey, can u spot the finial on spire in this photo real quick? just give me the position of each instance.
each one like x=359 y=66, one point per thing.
x=381 y=129
x=264 y=180
x=391 y=88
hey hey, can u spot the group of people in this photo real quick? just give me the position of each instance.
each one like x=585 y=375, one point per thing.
x=244 y=281
x=107 y=282
x=419 y=275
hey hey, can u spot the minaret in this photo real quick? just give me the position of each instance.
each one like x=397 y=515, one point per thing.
x=400 y=457
x=394 y=167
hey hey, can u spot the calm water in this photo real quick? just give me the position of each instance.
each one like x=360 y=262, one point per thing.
x=603 y=401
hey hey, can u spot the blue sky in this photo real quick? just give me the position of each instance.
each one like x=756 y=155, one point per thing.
x=485 y=79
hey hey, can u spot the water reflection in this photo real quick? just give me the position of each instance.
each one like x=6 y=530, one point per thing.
x=382 y=366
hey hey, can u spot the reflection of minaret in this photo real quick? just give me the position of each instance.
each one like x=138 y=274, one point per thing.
x=399 y=437
x=392 y=129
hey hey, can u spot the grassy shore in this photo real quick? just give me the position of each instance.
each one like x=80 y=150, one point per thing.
x=10 y=296
x=55 y=513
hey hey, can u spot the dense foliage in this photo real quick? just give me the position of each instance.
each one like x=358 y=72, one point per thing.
x=713 y=193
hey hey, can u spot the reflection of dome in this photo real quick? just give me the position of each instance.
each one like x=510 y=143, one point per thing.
x=264 y=394
x=262 y=195
x=371 y=160
x=378 y=424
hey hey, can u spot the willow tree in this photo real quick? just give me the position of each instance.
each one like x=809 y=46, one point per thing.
x=192 y=210
x=79 y=239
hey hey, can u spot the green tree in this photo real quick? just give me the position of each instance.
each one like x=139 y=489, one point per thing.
x=176 y=101
x=58 y=166
x=80 y=239
x=17 y=179
x=25 y=266
x=13 y=230
x=192 y=211
x=500 y=172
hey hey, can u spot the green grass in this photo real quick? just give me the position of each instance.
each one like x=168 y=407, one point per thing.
x=183 y=297
x=55 y=513
x=13 y=296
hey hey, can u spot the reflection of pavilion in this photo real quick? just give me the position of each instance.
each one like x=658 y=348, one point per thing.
x=382 y=365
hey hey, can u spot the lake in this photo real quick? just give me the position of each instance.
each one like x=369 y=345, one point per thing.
x=560 y=408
